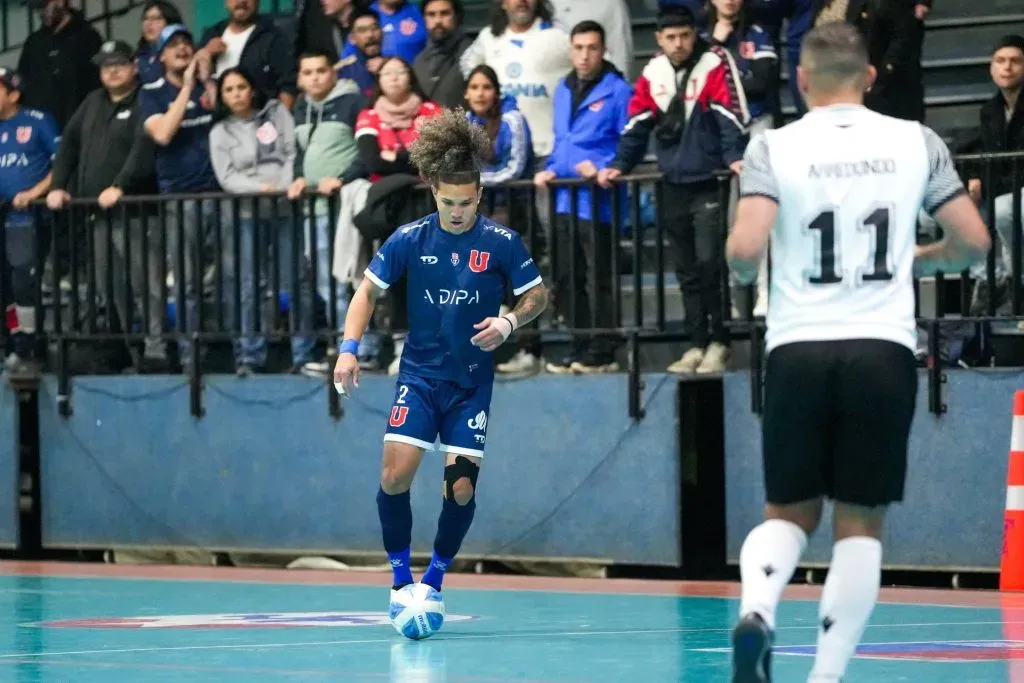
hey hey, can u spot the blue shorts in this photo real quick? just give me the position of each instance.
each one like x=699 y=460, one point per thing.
x=425 y=409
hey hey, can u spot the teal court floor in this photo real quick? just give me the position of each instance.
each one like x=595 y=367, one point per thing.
x=89 y=623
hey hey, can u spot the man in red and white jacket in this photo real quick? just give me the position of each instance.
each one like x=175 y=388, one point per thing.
x=691 y=97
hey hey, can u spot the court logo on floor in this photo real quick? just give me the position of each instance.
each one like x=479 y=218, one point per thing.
x=259 y=620
x=921 y=651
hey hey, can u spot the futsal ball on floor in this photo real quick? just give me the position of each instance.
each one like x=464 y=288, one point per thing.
x=417 y=611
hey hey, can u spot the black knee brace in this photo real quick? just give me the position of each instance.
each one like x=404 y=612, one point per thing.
x=463 y=467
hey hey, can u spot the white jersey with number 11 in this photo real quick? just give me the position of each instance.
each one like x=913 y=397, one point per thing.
x=849 y=184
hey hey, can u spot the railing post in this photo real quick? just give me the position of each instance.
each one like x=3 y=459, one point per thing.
x=659 y=252
x=63 y=378
x=334 y=408
x=3 y=264
x=756 y=368
x=634 y=379
x=195 y=379
x=638 y=246
x=936 y=378
x=26 y=429
x=1016 y=226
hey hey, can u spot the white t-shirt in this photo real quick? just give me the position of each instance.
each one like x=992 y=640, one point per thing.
x=234 y=43
x=849 y=184
x=529 y=66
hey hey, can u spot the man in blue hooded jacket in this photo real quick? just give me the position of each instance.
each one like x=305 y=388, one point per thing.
x=590 y=110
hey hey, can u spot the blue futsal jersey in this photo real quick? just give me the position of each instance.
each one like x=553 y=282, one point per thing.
x=454 y=282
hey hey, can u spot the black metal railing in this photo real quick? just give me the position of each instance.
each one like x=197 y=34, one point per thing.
x=190 y=271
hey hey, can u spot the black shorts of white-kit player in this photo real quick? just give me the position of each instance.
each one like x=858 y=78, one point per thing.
x=836 y=422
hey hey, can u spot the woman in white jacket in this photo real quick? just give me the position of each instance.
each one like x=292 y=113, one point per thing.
x=252 y=147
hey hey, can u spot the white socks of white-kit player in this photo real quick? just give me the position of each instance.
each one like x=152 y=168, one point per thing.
x=768 y=558
x=849 y=596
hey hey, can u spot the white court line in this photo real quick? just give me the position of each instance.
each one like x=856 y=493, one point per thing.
x=43 y=591
x=557 y=591
x=478 y=636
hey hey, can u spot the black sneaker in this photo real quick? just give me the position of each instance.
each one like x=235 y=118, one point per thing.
x=752 y=650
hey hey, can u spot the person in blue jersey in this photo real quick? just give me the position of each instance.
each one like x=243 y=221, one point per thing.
x=730 y=27
x=590 y=111
x=178 y=117
x=405 y=31
x=28 y=143
x=456 y=264
x=512 y=150
x=364 y=60
x=753 y=50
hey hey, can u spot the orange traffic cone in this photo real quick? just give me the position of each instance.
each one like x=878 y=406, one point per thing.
x=1011 y=570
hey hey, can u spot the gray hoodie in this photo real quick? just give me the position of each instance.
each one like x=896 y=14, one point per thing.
x=247 y=153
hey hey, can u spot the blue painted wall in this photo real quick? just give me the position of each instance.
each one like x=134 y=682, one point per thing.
x=565 y=474
x=8 y=467
x=952 y=515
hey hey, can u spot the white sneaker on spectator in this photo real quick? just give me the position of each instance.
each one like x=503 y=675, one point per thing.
x=316 y=368
x=716 y=356
x=397 y=361
x=12 y=361
x=687 y=365
x=520 y=364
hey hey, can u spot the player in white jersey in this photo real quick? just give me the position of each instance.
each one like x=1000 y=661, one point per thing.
x=838 y=193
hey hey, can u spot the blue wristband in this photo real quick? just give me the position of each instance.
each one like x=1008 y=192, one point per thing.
x=349 y=346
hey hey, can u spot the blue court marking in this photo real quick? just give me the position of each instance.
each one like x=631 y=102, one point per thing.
x=90 y=630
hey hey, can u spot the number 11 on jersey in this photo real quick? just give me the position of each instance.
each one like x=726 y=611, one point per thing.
x=828 y=272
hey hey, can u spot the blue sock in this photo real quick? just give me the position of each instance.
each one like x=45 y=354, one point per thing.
x=396 y=524
x=452 y=526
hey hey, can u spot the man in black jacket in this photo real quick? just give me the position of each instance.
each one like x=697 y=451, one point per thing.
x=437 y=66
x=893 y=33
x=56 y=61
x=253 y=42
x=1002 y=130
x=323 y=25
x=105 y=155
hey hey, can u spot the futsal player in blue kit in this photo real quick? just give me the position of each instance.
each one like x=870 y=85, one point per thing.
x=457 y=264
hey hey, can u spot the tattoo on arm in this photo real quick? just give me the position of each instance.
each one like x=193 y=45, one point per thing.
x=531 y=304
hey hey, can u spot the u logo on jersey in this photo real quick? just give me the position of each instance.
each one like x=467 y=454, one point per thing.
x=478 y=260
x=398 y=415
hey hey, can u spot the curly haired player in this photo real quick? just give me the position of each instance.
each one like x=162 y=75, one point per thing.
x=456 y=263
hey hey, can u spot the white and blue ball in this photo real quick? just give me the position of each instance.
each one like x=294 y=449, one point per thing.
x=417 y=611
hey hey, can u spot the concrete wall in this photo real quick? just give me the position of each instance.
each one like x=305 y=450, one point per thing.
x=952 y=516
x=565 y=473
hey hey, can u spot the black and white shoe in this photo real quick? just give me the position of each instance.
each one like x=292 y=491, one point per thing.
x=752 y=650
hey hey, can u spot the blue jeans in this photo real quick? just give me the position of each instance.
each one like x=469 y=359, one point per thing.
x=369 y=345
x=1003 y=247
x=198 y=225
x=251 y=348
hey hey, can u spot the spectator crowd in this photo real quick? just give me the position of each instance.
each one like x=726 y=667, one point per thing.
x=323 y=120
